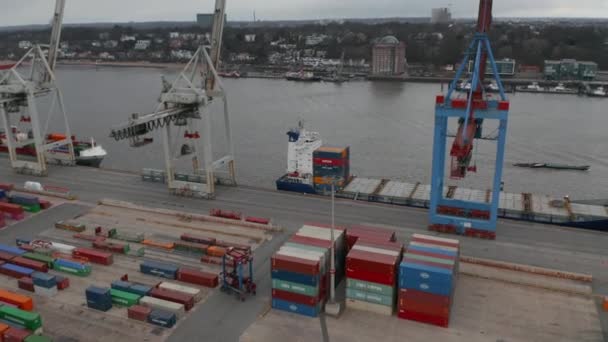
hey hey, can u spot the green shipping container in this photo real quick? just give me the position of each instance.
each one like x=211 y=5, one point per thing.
x=124 y=298
x=29 y=320
x=366 y=286
x=41 y=258
x=38 y=338
x=370 y=297
x=31 y=208
x=80 y=273
x=128 y=236
x=311 y=291
x=430 y=259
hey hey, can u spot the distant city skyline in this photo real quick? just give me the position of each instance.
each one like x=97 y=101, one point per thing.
x=29 y=12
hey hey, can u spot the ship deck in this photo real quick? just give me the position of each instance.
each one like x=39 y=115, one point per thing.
x=222 y=318
x=540 y=208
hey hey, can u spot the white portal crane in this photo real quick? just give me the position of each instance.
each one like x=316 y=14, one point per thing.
x=184 y=116
x=28 y=81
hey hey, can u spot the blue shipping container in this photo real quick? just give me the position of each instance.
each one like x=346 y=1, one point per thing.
x=44 y=280
x=2 y=194
x=425 y=278
x=299 y=278
x=121 y=285
x=21 y=241
x=98 y=298
x=301 y=309
x=432 y=250
x=24 y=200
x=159 y=269
x=162 y=318
x=70 y=264
x=21 y=270
x=139 y=289
x=12 y=324
x=11 y=250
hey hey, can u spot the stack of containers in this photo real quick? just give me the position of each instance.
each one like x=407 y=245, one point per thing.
x=163 y=305
x=29 y=203
x=371 y=276
x=13 y=211
x=94 y=256
x=318 y=234
x=44 y=284
x=125 y=286
x=99 y=298
x=162 y=318
x=330 y=163
x=369 y=234
x=427 y=279
x=72 y=267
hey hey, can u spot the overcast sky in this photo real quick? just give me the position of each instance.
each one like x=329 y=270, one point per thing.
x=25 y=12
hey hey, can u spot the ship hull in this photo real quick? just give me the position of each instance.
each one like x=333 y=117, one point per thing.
x=285 y=185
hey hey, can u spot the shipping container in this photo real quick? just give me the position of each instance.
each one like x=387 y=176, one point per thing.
x=158 y=269
x=301 y=309
x=121 y=285
x=21 y=301
x=193 y=247
x=98 y=298
x=296 y=297
x=94 y=256
x=370 y=287
x=139 y=289
x=424 y=302
x=24 y=200
x=436 y=240
x=198 y=239
x=423 y=318
x=30 y=320
x=44 y=279
x=123 y=298
x=11 y=250
x=165 y=305
x=15 y=271
x=370 y=297
x=37 y=338
x=157 y=244
x=197 y=277
x=16 y=334
x=332 y=152
x=62 y=248
x=196 y=294
x=26 y=283
x=216 y=251
x=295 y=287
x=138 y=312
x=7 y=256
x=35 y=265
x=453 y=252
x=62 y=282
x=121 y=234
x=10 y=208
x=304 y=279
x=7 y=186
x=49 y=261
x=331 y=162
x=415 y=256
x=426 y=278
x=3 y=329
x=295 y=264
x=162 y=318
x=173 y=296
x=369 y=307
x=71 y=225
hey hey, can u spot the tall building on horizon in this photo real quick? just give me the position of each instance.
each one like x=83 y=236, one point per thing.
x=388 y=57
x=441 y=16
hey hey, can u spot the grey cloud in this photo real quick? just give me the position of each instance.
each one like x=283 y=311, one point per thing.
x=23 y=12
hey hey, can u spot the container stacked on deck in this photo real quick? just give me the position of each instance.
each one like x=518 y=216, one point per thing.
x=21 y=319
x=300 y=269
x=13 y=211
x=427 y=279
x=330 y=163
x=28 y=203
x=99 y=298
x=369 y=234
x=44 y=284
x=72 y=267
x=371 y=275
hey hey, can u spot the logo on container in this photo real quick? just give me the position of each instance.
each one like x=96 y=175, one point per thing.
x=424 y=286
x=293 y=307
x=425 y=275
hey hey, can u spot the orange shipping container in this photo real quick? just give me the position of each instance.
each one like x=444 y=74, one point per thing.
x=216 y=251
x=3 y=329
x=167 y=245
x=327 y=180
x=21 y=301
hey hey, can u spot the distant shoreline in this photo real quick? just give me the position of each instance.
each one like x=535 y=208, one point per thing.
x=135 y=64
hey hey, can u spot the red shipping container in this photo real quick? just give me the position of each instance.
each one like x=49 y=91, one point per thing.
x=434 y=307
x=425 y=297
x=296 y=265
x=28 y=248
x=63 y=284
x=372 y=262
x=7 y=256
x=12 y=273
x=427 y=263
x=198 y=239
x=389 y=246
x=295 y=297
x=94 y=256
x=259 y=220
x=35 y=265
x=310 y=241
x=6 y=186
x=330 y=162
x=424 y=318
x=211 y=260
x=431 y=254
x=139 y=313
x=11 y=208
x=173 y=296
x=15 y=335
x=197 y=277
x=26 y=283
x=435 y=242
x=368 y=231
x=44 y=204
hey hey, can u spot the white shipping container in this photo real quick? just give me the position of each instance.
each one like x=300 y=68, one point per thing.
x=322 y=233
x=160 y=304
x=375 y=250
x=196 y=293
x=62 y=248
x=438 y=239
x=302 y=253
x=44 y=292
x=369 y=307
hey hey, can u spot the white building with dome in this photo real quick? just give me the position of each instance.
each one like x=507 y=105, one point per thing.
x=388 y=57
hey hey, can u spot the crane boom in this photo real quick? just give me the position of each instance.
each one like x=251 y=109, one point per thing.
x=217 y=33
x=57 y=23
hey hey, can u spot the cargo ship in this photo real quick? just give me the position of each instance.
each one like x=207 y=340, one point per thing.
x=325 y=167
x=88 y=153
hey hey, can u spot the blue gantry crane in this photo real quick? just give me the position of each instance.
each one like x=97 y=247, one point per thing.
x=459 y=216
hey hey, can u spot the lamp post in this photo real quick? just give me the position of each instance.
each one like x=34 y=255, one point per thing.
x=332 y=307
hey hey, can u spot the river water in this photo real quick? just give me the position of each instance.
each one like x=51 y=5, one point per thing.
x=389 y=127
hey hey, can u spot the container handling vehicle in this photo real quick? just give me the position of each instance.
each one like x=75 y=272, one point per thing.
x=232 y=276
